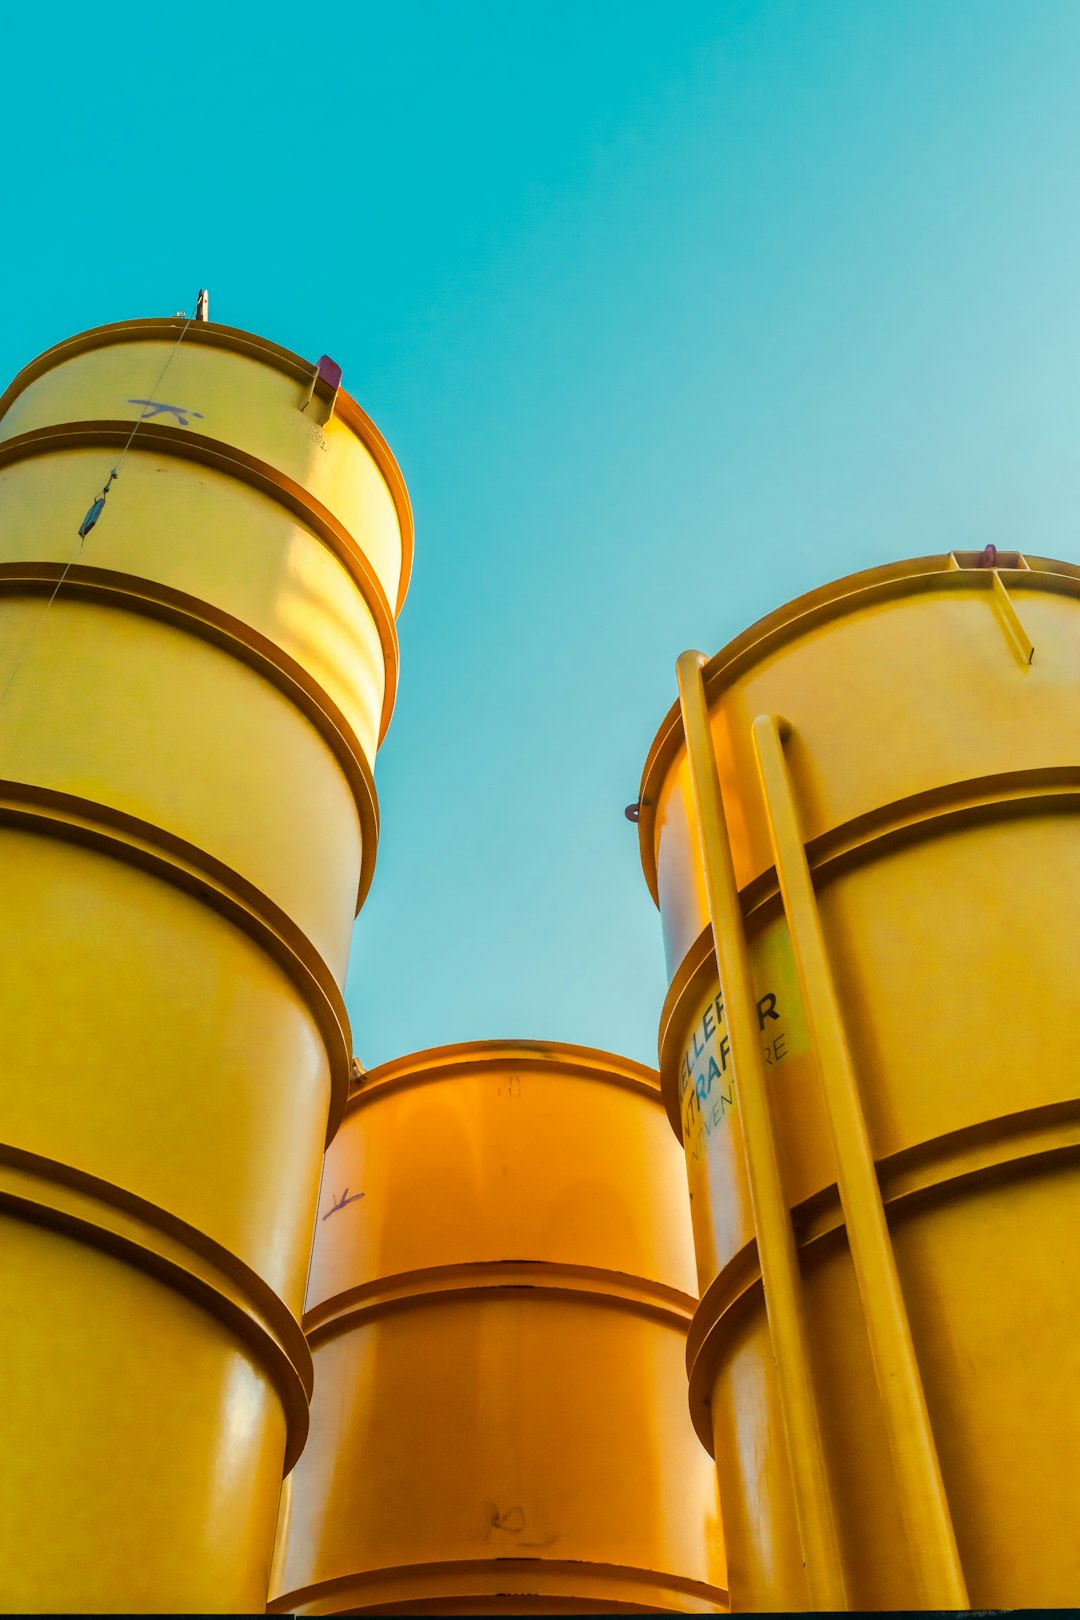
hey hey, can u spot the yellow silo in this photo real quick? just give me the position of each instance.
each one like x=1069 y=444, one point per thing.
x=187 y=729
x=874 y=1082
x=500 y=1291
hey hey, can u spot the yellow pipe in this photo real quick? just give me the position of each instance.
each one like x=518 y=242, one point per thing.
x=781 y=1282
x=923 y=1501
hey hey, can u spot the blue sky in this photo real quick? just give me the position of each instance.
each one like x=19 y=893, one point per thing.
x=668 y=314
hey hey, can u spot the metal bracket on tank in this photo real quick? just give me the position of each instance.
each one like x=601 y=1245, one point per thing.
x=989 y=561
x=323 y=392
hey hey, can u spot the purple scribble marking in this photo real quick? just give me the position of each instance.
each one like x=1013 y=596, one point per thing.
x=154 y=408
x=342 y=1201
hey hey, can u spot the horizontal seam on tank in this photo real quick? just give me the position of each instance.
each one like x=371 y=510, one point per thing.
x=132 y=1207
x=818 y=1219
x=999 y=795
x=259 y=1316
x=454 y=1062
x=527 y=1563
x=49 y=812
x=262 y=351
x=743 y=653
x=358 y=1317
x=818 y=1216
x=257 y=475
x=428 y=1284
x=192 y=616
x=1053 y=790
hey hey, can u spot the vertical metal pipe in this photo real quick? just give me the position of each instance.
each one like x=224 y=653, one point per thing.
x=923 y=1501
x=781 y=1282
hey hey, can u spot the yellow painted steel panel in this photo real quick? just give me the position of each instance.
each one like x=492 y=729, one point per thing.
x=243 y=399
x=497 y=1309
x=170 y=1057
x=935 y=778
x=142 y=716
x=464 y=1125
x=126 y=1408
x=213 y=537
x=547 y=1430
x=1005 y=1402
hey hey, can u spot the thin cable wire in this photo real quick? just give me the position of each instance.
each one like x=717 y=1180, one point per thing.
x=159 y=379
x=35 y=633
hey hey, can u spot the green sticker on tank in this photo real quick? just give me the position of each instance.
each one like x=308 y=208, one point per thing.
x=715 y=1163
x=706 y=1090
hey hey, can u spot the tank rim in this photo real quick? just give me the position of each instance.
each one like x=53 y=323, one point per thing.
x=260 y=349
x=441 y=1062
x=844 y=594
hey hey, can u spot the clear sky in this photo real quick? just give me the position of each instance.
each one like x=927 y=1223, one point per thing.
x=668 y=313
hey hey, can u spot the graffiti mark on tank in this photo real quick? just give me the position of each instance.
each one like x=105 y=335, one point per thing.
x=346 y=1198
x=153 y=407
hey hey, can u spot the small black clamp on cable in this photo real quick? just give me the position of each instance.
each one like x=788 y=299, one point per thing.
x=97 y=507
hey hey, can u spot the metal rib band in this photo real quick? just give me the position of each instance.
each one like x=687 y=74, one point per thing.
x=1054 y=790
x=485 y=1583
x=181 y=444
x=592 y=1285
x=198 y=618
x=89 y=1210
x=913 y=577
x=210 y=335
x=50 y=813
x=448 y=1062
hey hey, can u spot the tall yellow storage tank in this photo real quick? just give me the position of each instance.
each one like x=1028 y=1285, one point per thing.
x=500 y=1291
x=187 y=826
x=903 y=997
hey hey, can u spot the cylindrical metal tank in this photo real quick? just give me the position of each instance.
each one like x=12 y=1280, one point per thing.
x=500 y=1291
x=187 y=826
x=897 y=758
